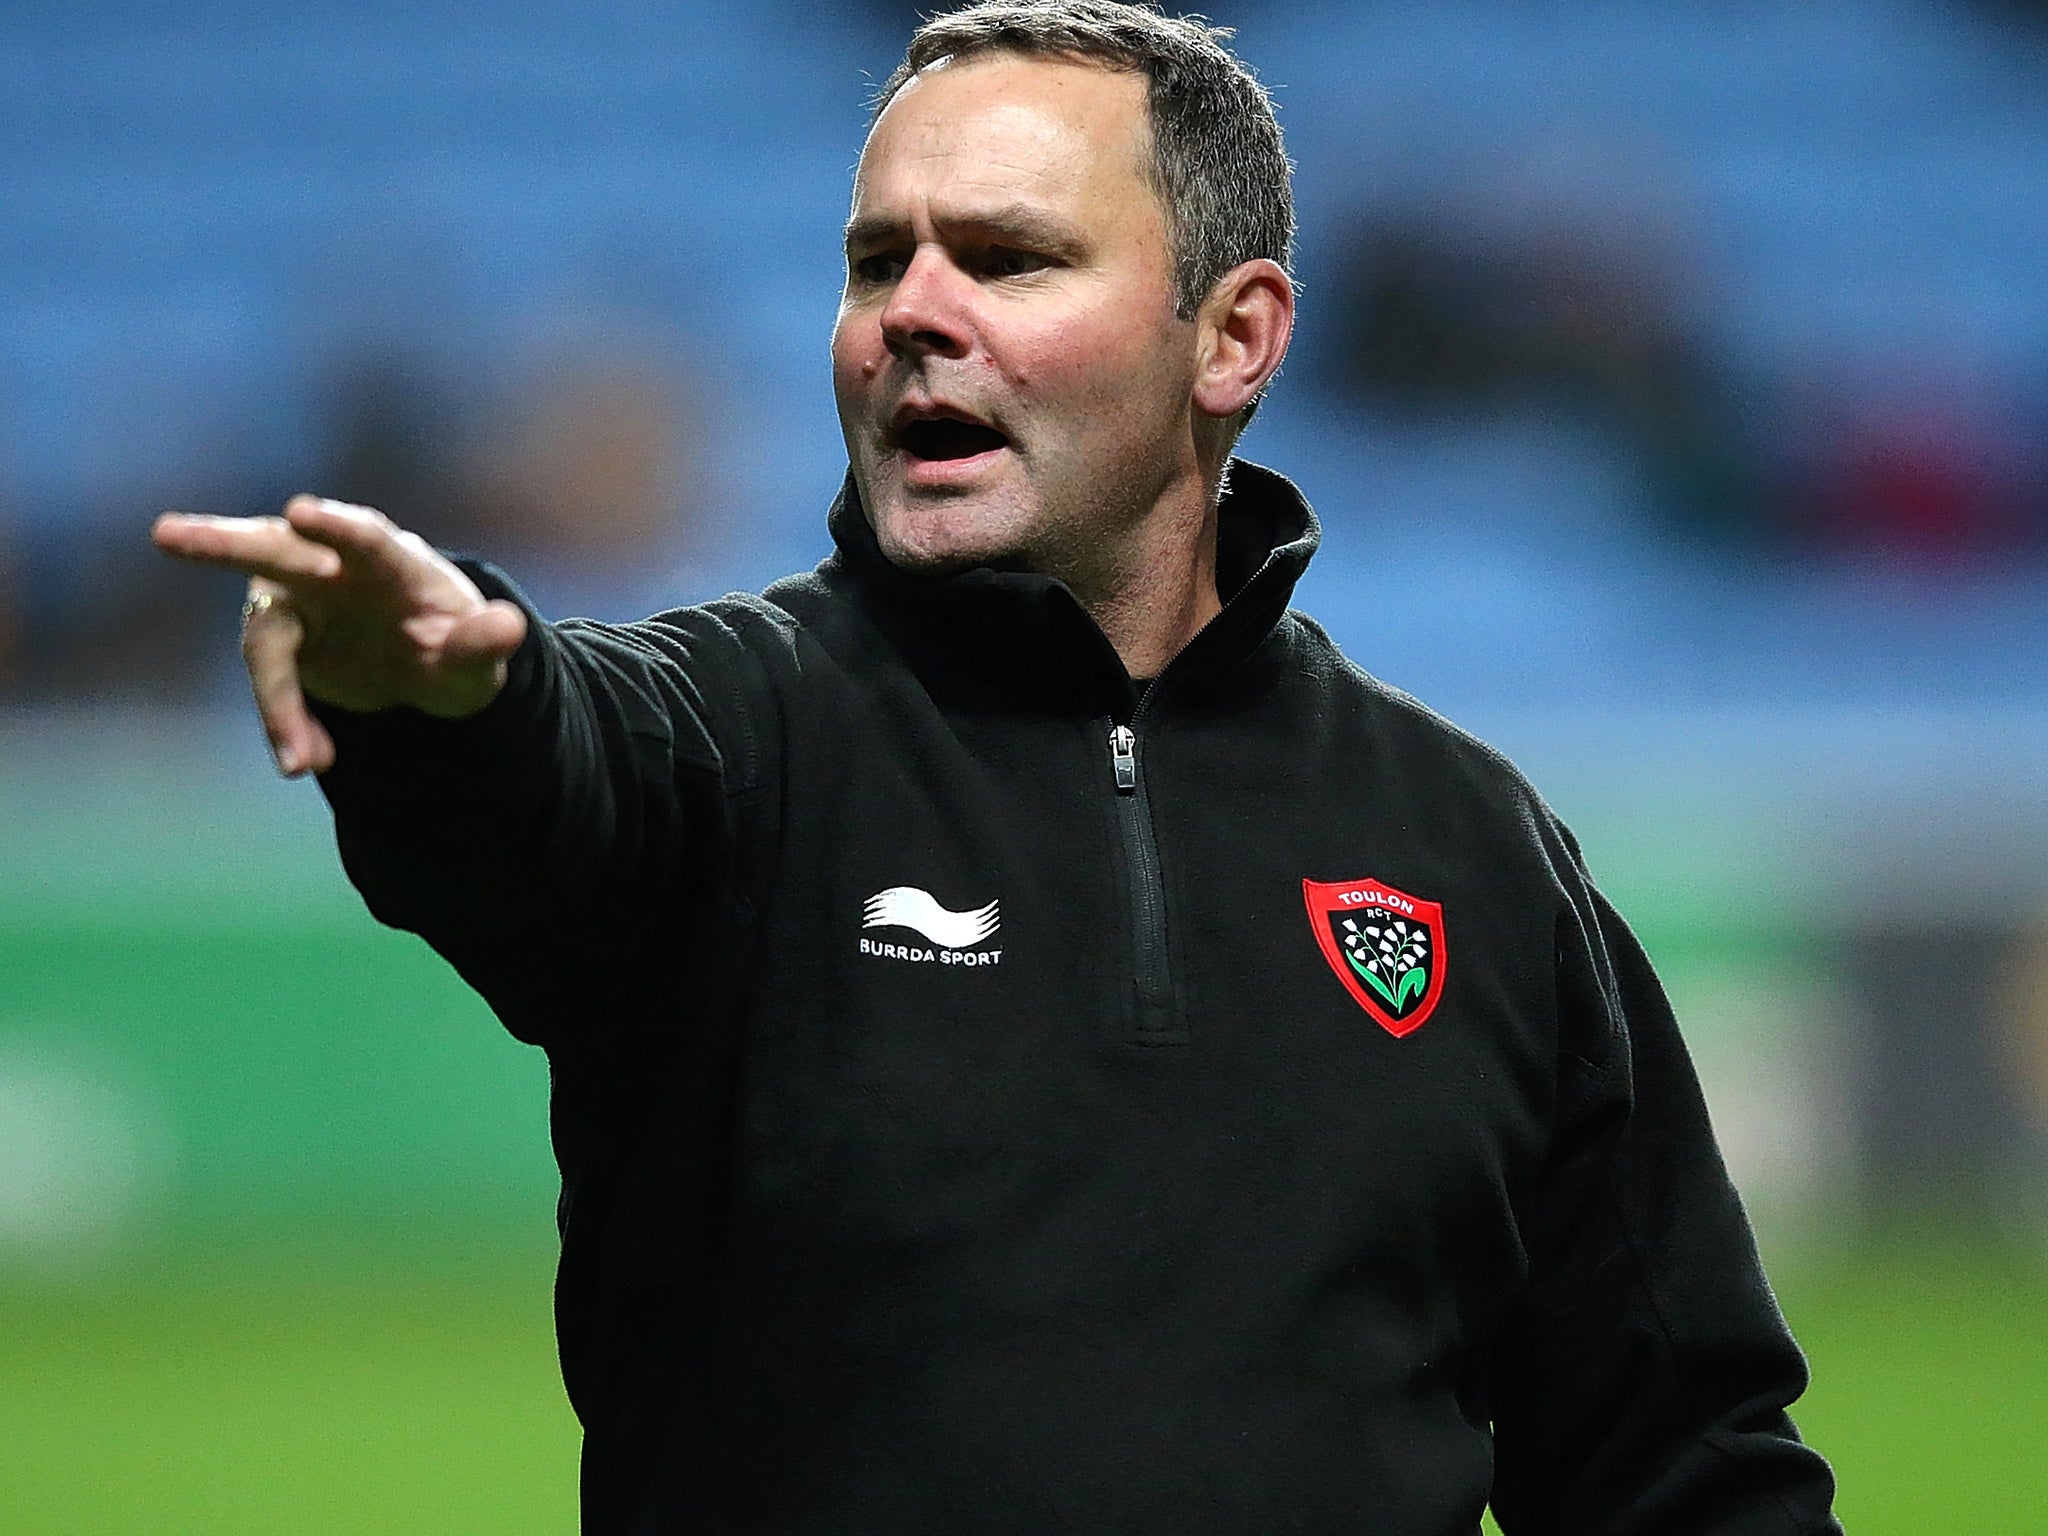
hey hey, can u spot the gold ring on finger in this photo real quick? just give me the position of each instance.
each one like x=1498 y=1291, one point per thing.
x=257 y=602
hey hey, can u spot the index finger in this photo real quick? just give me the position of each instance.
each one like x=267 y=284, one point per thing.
x=255 y=546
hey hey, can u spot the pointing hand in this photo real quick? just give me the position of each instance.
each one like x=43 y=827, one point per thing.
x=348 y=608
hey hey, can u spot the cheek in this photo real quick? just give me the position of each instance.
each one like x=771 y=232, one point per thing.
x=1094 y=361
x=856 y=353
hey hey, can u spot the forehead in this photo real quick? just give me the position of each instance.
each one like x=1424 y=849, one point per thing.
x=1004 y=123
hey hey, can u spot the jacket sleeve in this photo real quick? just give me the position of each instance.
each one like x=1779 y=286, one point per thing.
x=1642 y=1384
x=584 y=815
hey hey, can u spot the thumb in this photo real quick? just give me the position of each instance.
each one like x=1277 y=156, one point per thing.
x=492 y=633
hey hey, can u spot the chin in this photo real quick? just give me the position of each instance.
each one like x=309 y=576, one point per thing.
x=940 y=536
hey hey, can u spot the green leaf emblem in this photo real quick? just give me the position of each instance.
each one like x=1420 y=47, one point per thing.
x=1390 y=955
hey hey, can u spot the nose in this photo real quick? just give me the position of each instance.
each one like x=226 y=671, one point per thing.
x=927 y=311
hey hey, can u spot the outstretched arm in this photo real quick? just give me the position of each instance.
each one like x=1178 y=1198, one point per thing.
x=350 y=609
x=540 y=802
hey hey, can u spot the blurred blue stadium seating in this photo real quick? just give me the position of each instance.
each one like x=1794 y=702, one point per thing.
x=201 y=206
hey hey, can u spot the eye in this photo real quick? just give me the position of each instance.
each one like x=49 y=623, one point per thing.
x=1006 y=261
x=883 y=267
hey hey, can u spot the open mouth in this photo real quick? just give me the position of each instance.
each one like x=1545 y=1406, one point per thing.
x=943 y=438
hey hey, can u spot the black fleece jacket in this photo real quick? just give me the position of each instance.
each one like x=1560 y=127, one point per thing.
x=993 y=1100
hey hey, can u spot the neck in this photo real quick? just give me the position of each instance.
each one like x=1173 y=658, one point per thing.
x=1155 y=598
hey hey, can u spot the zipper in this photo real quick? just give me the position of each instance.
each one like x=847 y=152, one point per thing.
x=1154 y=1020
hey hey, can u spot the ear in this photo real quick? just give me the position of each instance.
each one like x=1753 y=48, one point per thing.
x=1242 y=332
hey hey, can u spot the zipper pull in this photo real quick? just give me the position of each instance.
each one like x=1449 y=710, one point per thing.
x=1123 y=757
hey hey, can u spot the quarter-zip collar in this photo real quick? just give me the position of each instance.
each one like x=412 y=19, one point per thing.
x=1033 y=630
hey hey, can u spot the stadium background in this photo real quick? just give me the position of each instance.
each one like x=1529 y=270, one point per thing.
x=1672 y=383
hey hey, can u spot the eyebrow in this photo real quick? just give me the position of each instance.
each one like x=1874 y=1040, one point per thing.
x=1014 y=221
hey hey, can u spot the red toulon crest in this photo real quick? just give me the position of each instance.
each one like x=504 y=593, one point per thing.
x=1386 y=946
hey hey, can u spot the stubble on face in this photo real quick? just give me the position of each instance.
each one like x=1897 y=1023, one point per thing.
x=1012 y=381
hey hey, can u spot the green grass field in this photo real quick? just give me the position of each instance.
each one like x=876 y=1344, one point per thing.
x=274 y=1398
x=1930 y=1388
x=363 y=1393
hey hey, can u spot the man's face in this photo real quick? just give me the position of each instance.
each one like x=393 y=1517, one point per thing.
x=1012 y=380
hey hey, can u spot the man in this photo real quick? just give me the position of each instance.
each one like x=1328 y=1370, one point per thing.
x=1040 y=1042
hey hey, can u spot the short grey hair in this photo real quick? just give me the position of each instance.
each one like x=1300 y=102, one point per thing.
x=1218 y=162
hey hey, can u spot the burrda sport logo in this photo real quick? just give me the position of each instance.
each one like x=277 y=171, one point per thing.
x=951 y=938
